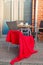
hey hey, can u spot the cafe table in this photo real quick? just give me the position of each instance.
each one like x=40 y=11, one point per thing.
x=25 y=28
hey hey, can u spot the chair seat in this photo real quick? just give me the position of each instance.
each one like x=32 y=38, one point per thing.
x=41 y=30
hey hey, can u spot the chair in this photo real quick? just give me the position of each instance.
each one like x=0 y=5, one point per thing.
x=40 y=33
x=12 y=26
x=41 y=26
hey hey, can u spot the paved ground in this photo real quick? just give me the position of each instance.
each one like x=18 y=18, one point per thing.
x=6 y=56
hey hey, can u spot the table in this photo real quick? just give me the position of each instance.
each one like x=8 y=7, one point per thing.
x=28 y=27
x=25 y=27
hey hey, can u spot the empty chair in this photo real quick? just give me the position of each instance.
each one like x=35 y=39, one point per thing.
x=40 y=33
x=41 y=26
x=12 y=25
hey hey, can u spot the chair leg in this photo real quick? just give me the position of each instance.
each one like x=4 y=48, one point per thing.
x=36 y=37
x=8 y=46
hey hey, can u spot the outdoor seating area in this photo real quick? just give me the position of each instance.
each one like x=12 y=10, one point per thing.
x=21 y=32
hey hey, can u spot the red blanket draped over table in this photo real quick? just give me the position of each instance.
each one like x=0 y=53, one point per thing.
x=26 y=44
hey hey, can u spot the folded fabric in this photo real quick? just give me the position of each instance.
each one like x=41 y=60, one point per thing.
x=13 y=36
x=26 y=44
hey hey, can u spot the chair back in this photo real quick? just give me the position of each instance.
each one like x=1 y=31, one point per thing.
x=12 y=25
x=41 y=26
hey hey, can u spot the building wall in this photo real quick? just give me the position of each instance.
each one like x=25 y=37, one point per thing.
x=6 y=15
x=7 y=10
x=1 y=15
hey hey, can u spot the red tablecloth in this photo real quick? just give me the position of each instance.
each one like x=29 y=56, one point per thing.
x=26 y=44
